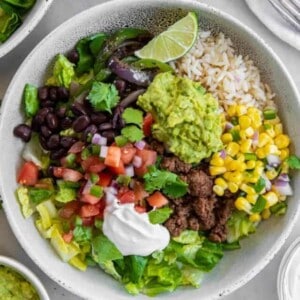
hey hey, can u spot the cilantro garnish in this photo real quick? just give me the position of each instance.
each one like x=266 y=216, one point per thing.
x=133 y=116
x=132 y=133
x=294 y=162
x=103 y=96
x=160 y=215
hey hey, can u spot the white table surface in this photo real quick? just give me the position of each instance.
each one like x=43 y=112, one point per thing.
x=263 y=286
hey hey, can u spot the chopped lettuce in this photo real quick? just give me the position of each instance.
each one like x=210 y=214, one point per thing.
x=47 y=212
x=31 y=101
x=63 y=72
x=82 y=234
x=66 y=193
x=37 y=195
x=26 y=206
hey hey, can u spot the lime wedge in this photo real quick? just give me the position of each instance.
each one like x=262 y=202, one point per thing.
x=174 y=42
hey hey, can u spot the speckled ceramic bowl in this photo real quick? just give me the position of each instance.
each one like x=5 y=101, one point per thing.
x=27 y=274
x=31 y=19
x=237 y=267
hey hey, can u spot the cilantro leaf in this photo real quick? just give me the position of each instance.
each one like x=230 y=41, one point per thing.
x=132 y=133
x=168 y=182
x=160 y=215
x=133 y=116
x=293 y=162
x=103 y=96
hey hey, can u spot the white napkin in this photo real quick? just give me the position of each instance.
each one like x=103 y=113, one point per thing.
x=271 y=18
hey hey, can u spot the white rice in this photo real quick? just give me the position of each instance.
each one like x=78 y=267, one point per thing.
x=230 y=77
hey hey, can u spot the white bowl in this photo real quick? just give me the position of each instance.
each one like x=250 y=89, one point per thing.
x=237 y=267
x=27 y=274
x=31 y=19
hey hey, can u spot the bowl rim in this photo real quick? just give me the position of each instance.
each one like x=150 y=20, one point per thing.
x=26 y=273
x=263 y=261
x=23 y=31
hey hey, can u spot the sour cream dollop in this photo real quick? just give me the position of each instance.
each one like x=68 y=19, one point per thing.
x=130 y=231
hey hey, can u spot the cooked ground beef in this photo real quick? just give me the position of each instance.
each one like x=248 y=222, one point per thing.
x=156 y=146
x=175 y=165
x=218 y=234
x=204 y=209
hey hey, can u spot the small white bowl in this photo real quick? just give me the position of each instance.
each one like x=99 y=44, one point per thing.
x=27 y=274
x=31 y=19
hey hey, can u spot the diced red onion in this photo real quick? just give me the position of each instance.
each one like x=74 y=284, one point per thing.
x=103 y=151
x=283 y=187
x=114 y=184
x=229 y=126
x=137 y=161
x=255 y=139
x=110 y=198
x=268 y=183
x=87 y=187
x=98 y=139
x=129 y=171
x=140 y=145
x=76 y=148
x=273 y=160
x=223 y=154
x=132 y=183
x=284 y=177
x=111 y=190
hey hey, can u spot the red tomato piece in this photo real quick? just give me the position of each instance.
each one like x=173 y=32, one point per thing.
x=127 y=154
x=89 y=210
x=77 y=147
x=93 y=164
x=120 y=170
x=126 y=197
x=28 y=174
x=101 y=205
x=113 y=157
x=140 y=209
x=147 y=124
x=70 y=209
x=88 y=221
x=157 y=199
x=58 y=172
x=68 y=237
x=105 y=179
x=87 y=198
x=71 y=175
x=148 y=158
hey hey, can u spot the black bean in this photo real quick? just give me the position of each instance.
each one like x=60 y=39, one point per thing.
x=43 y=142
x=89 y=131
x=57 y=154
x=67 y=141
x=66 y=123
x=53 y=141
x=43 y=93
x=35 y=126
x=73 y=56
x=47 y=103
x=50 y=171
x=79 y=109
x=45 y=131
x=61 y=112
x=120 y=85
x=109 y=134
x=98 y=118
x=52 y=121
x=53 y=93
x=81 y=123
x=62 y=93
x=105 y=126
x=23 y=132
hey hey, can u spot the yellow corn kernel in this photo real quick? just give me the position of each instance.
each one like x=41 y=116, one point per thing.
x=271 y=132
x=233 y=187
x=213 y=170
x=259 y=163
x=266 y=214
x=255 y=218
x=240 y=157
x=271 y=198
x=251 y=198
x=263 y=139
x=284 y=153
x=273 y=121
x=241 y=110
x=271 y=174
x=255 y=116
x=247 y=189
x=285 y=167
x=217 y=161
x=221 y=182
x=241 y=167
x=282 y=197
x=242 y=204
x=226 y=138
x=233 y=149
x=227 y=161
x=271 y=149
x=244 y=121
x=250 y=164
x=236 y=177
x=253 y=178
x=245 y=146
x=231 y=110
x=278 y=129
x=233 y=166
x=260 y=153
x=243 y=135
x=249 y=132
x=227 y=175
x=259 y=170
x=218 y=190
x=282 y=141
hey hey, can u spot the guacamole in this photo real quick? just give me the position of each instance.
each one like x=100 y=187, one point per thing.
x=187 y=119
x=13 y=286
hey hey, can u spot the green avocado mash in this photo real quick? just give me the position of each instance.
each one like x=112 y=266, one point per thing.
x=13 y=286
x=187 y=119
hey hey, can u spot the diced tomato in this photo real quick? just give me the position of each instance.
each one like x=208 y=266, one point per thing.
x=28 y=174
x=147 y=123
x=148 y=158
x=101 y=205
x=68 y=237
x=120 y=170
x=126 y=197
x=70 y=209
x=105 y=179
x=77 y=147
x=139 y=191
x=58 y=172
x=87 y=198
x=157 y=199
x=93 y=164
x=89 y=210
x=113 y=157
x=88 y=221
x=127 y=153
x=71 y=175
x=63 y=161
x=140 y=209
